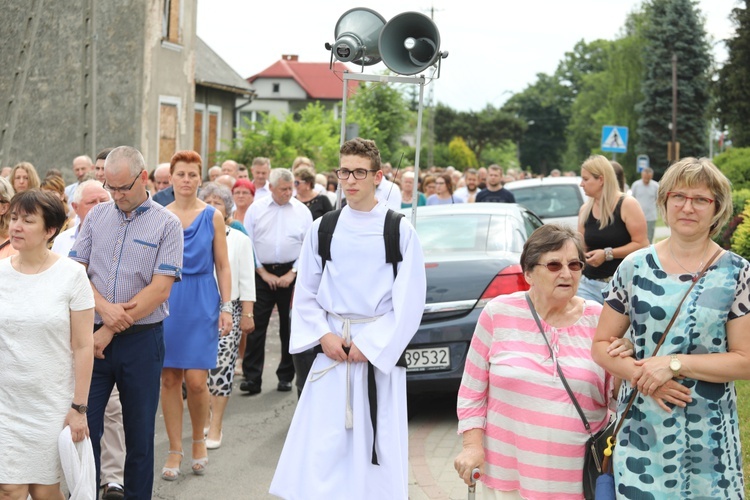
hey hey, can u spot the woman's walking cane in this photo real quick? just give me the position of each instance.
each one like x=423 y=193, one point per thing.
x=475 y=474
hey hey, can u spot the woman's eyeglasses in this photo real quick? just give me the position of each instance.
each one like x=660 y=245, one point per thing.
x=556 y=267
x=679 y=200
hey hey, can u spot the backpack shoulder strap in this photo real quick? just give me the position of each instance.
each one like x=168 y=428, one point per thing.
x=325 y=234
x=392 y=237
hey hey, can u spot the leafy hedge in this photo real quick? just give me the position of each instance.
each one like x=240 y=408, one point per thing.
x=739 y=200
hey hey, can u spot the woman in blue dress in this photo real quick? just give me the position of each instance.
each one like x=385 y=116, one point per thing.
x=680 y=439
x=198 y=313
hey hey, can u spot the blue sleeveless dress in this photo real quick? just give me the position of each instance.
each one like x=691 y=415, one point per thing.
x=191 y=331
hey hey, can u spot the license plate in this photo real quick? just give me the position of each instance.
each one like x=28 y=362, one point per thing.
x=432 y=358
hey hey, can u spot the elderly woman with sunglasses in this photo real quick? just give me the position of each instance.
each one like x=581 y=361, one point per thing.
x=673 y=444
x=519 y=425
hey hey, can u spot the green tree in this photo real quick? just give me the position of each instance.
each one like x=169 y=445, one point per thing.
x=626 y=72
x=545 y=108
x=674 y=27
x=315 y=135
x=734 y=81
x=488 y=128
x=734 y=164
x=461 y=156
x=382 y=112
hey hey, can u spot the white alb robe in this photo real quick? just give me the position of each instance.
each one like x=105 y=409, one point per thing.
x=321 y=458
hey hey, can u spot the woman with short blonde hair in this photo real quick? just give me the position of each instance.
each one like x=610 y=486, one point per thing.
x=705 y=350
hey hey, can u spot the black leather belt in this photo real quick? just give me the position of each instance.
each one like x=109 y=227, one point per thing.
x=132 y=329
x=278 y=267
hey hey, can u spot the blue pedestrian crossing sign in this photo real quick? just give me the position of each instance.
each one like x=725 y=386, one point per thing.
x=614 y=139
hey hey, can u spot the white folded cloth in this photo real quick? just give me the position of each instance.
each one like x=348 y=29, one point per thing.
x=77 y=461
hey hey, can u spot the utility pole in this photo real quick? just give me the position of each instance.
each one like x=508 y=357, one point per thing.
x=675 y=148
x=431 y=116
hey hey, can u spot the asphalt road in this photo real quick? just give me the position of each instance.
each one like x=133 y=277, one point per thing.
x=254 y=431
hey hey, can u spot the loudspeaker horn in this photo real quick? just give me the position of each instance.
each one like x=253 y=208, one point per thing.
x=356 y=34
x=409 y=43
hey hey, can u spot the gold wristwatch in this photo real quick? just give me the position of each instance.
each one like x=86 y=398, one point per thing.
x=675 y=365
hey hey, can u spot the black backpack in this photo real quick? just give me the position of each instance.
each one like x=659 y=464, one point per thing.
x=391 y=236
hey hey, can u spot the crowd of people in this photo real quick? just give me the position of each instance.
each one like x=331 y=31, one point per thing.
x=182 y=272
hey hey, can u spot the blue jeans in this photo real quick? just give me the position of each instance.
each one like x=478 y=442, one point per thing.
x=133 y=362
x=591 y=289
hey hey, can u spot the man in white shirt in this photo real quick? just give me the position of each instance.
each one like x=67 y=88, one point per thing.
x=645 y=190
x=260 y=169
x=87 y=195
x=470 y=190
x=349 y=435
x=82 y=165
x=277 y=224
x=388 y=194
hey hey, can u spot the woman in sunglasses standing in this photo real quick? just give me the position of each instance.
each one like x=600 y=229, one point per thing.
x=672 y=446
x=519 y=424
x=612 y=224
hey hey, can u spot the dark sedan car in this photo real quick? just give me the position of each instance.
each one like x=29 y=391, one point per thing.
x=472 y=254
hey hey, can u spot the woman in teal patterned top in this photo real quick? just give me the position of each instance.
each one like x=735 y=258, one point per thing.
x=681 y=438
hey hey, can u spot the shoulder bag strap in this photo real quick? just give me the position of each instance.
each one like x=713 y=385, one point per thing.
x=559 y=370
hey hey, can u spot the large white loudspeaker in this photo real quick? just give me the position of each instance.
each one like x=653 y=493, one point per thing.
x=409 y=43
x=356 y=33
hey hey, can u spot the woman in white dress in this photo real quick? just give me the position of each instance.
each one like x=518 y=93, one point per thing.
x=241 y=263
x=46 y=350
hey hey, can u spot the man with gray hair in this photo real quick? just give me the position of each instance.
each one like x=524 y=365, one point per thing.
x=213 y=173
x=132 y=250
x=82 y=165
x=260 y=169
x=277 y=224
x=645 y=190
x=87 y=195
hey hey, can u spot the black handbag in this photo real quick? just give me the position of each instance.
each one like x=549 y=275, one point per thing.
x=593 y=457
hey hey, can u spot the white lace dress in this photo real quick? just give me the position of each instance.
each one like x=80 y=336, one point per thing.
x=36 y=366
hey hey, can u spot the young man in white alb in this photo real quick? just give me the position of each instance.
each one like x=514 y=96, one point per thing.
x=362 y=317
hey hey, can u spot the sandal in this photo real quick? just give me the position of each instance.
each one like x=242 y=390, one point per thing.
x=200 y=464
x=171 y=473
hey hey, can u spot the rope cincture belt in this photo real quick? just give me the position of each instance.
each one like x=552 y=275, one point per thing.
x=372 y=395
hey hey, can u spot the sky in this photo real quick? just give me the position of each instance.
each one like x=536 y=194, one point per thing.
x=494 y=49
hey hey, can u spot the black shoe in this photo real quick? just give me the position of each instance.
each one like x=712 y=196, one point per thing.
x=250 y=387
x=284 y=386
x=113 y=491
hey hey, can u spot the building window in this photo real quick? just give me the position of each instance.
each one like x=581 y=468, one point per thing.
x=170 y=26
x=169 y=118
x=206 y=132
x=276 y=88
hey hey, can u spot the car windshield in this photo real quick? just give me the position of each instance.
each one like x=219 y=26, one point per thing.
x=461 y=233
x=561 y=200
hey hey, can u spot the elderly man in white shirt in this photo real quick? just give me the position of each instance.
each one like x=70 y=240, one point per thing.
x=87 y=195
x=277 y=224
